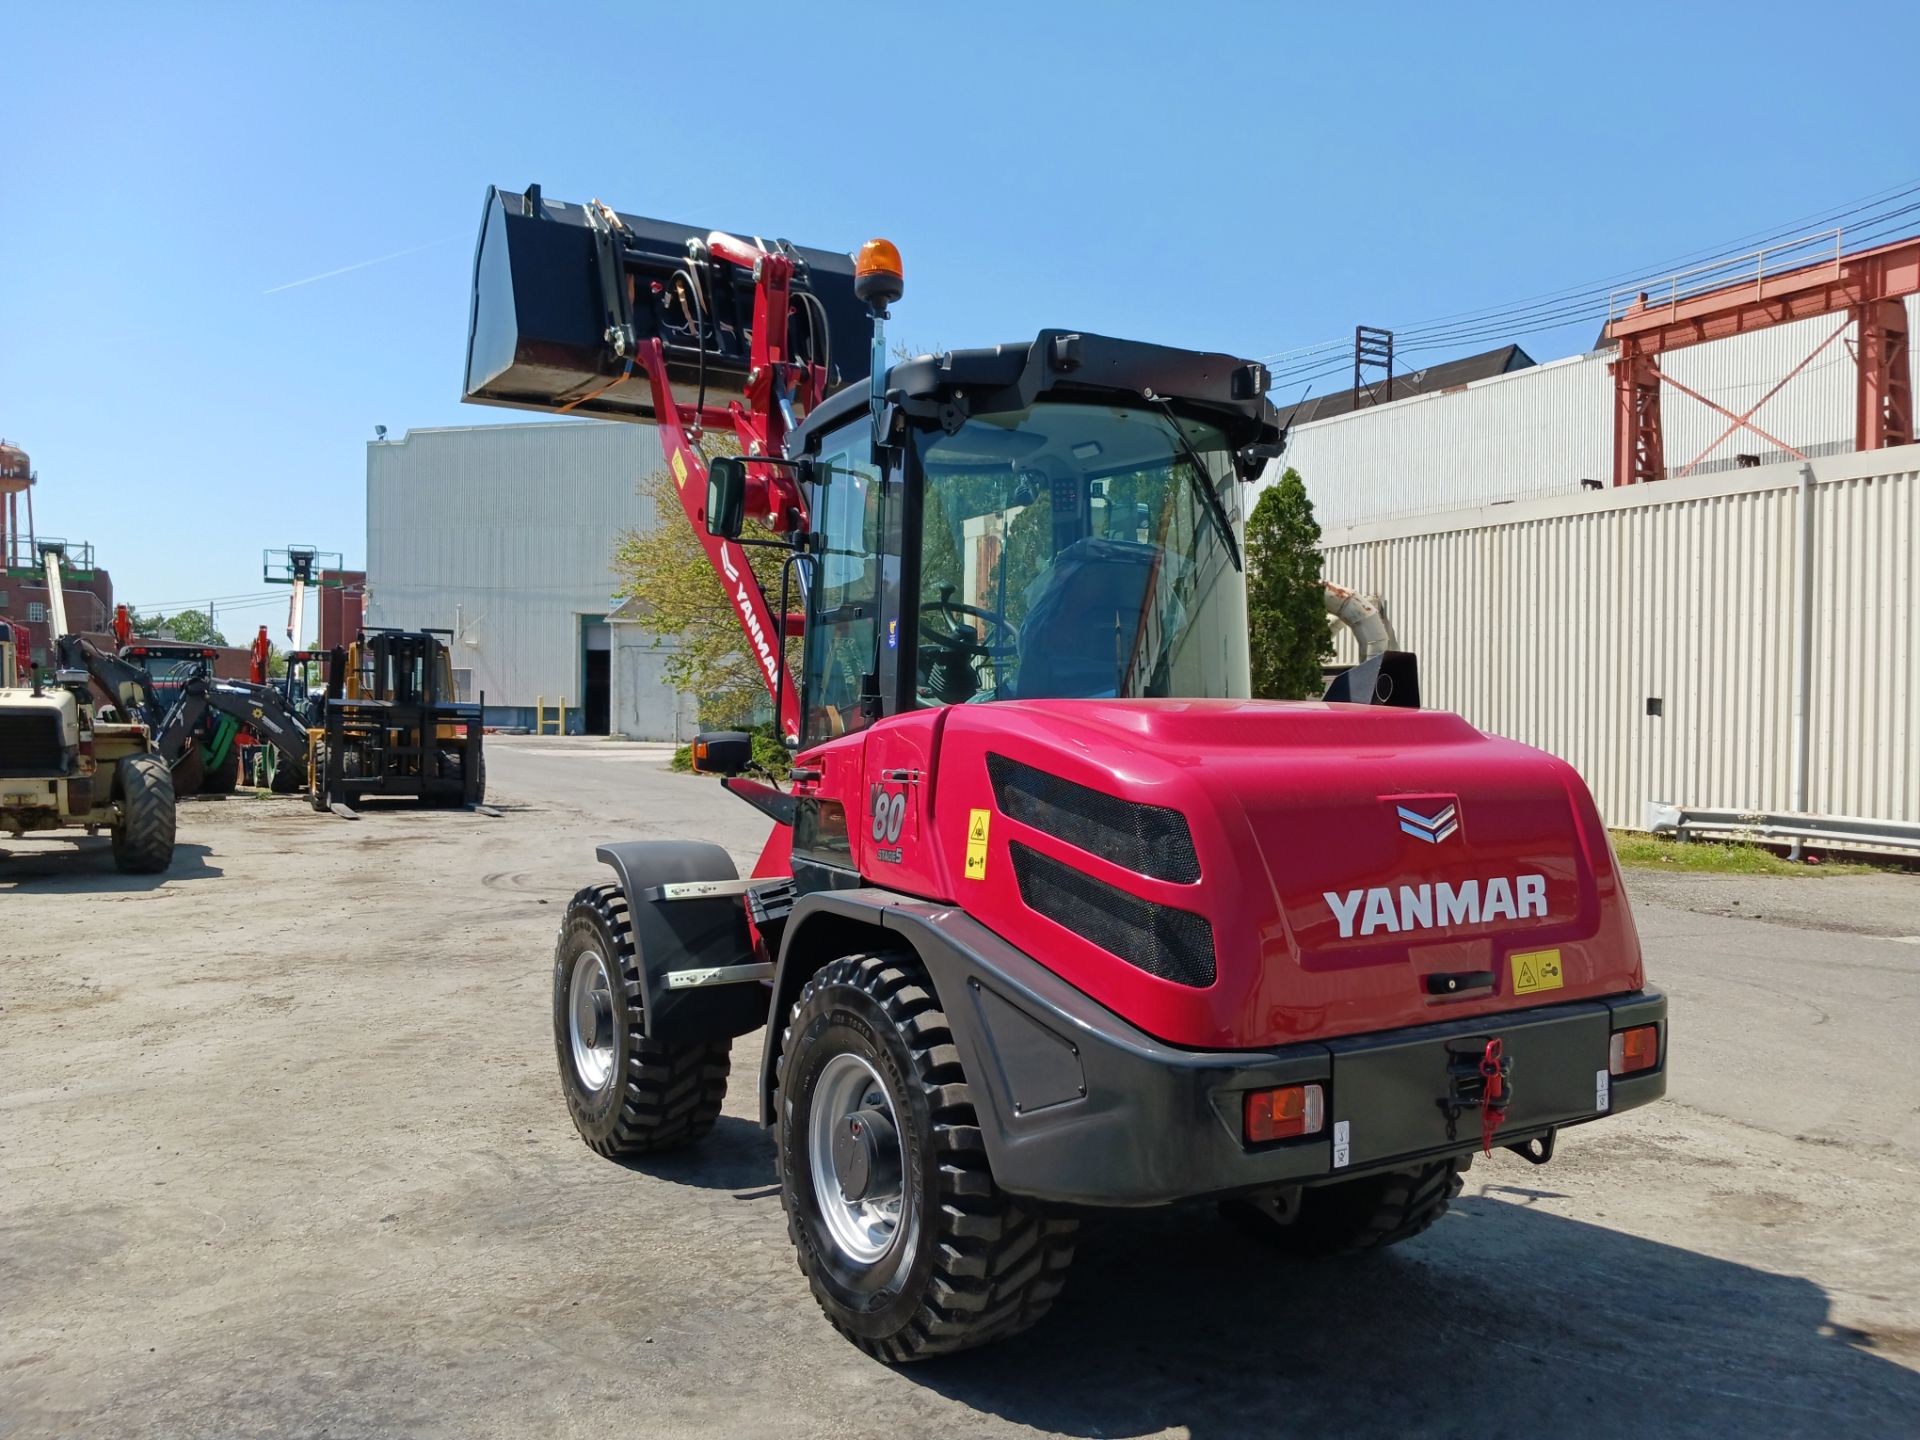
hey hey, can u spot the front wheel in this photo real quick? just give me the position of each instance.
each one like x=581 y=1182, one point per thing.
x=143 y=840
x=910 y=1248
x=1355 y=1216
x=628 y=1095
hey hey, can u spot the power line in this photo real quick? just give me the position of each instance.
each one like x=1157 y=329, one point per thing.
x=1575 y=305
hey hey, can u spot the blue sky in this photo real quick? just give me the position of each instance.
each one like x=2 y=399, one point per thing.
x=1235 y=176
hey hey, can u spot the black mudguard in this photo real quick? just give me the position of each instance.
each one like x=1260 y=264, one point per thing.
x=687 y=934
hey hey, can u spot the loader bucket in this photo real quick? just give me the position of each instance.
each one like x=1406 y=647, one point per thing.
x=549 y=284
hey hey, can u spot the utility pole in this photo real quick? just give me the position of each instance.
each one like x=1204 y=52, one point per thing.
x=1373 y=349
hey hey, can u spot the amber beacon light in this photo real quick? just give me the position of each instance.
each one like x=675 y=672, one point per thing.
x=877 y=275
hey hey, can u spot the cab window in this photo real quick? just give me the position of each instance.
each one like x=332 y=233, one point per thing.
x=840 y=664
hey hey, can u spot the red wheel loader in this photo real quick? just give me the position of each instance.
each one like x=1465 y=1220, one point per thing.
x=1053 y=915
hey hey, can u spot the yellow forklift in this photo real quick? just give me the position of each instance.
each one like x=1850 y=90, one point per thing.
x=389 y=724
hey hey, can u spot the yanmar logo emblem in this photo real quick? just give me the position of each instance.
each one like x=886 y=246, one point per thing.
x=1397 y=909
x=1431 y=828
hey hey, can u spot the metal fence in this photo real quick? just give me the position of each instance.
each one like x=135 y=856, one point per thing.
x=1648 y=635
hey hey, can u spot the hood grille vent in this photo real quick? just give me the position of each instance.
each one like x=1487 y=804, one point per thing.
x=1149 y=840
x=30 y=743
x=1172 y=944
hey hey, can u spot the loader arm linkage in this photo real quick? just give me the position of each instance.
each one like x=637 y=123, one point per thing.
x=760 y=426
x=259 y=708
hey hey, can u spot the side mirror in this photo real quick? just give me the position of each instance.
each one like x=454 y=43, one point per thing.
x=726 y=497
x=722 y=752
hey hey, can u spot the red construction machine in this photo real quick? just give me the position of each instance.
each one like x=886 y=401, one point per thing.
x=1053 y=915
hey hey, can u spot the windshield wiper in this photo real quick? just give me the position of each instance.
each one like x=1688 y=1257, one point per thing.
x=1203 y=483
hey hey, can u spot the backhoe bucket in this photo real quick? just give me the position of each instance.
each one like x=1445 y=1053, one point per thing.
x=563 y=297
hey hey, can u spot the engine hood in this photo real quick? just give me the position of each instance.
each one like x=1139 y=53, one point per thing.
x=49 y=701
x=1349 y=868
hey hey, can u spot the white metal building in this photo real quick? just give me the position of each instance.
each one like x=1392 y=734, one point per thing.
x=1648 y=635
x=504 y=534
x=1540 y=431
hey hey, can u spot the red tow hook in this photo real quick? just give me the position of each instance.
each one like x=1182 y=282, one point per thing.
x=1493 y=1098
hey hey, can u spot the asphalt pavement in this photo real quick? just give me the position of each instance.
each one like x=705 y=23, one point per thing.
x=282 y=1153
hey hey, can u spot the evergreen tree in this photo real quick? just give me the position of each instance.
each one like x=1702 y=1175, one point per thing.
x=1289 y=631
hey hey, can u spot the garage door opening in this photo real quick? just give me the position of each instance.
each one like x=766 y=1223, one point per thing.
x=596 y=675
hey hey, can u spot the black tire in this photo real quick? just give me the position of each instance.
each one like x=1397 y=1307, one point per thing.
x=143 y=840
x=655 y=1097
x=967 y=1263
x=1356 y=1216
x=224 y=778
x=317 y=791
x=454 y=764
x=286 y=778
x=189 y=773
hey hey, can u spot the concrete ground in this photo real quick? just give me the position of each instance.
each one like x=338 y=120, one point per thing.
x=282 y=1153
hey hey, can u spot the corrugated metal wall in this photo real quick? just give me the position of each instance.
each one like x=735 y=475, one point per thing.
x=508 y=531
x=1554 y=622
x=1539 y=432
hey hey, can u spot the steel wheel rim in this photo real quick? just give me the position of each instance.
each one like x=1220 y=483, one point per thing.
x=864 y=1229
x=590 y=1020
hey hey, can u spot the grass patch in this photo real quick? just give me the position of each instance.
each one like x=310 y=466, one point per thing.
x=1639 y=851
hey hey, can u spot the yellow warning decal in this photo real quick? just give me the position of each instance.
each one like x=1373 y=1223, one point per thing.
x=679 y=470
x=977 y=844
x=1536 y=970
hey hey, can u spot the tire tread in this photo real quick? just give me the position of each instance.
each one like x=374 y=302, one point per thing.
x=998 y=1261
x=671 y=1095
x=143 y=840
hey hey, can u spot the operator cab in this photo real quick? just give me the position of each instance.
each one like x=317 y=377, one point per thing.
x=169 y=666
x=305 y=684
x=1028 y=535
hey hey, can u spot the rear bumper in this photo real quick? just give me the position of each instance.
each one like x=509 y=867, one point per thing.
x=1078 y=1106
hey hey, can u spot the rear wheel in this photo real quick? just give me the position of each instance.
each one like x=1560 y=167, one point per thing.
x=1369 y=1213
x=453 y=766
x=143 y=840
x=283 y=776
x=910 y=1248
x=628 y=1095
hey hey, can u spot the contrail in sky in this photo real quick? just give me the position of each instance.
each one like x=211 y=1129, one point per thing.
x=361 y=265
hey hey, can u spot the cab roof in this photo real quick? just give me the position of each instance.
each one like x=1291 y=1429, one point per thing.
x=950 y=386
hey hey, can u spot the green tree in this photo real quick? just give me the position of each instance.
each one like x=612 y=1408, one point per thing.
x=190 y=627
x=1289 y=631
x=666 y=572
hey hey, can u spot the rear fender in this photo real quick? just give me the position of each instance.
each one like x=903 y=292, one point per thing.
x=1016 y=1036
x=680 y=933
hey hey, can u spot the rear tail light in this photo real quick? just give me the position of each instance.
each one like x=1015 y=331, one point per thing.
x=1634 y=1050
x=1282 y=1114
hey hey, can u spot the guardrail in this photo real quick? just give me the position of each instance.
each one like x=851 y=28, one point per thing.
x=1757 y=266
x=1838 y=831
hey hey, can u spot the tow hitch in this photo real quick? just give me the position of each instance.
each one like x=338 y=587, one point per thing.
x=1480 y=1077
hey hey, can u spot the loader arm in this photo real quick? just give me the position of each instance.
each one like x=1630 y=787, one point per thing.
x=777 y=382
x=259 y=708
x=127 y=685
x=729 y=557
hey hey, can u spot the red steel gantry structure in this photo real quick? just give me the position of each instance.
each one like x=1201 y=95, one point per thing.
x=1868 y=287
